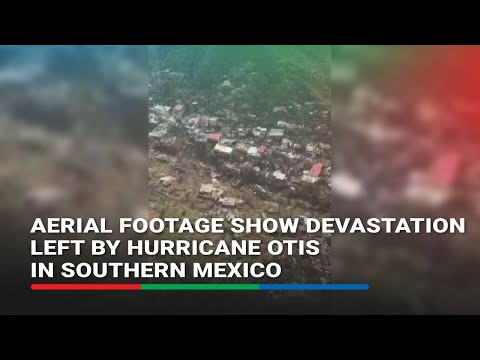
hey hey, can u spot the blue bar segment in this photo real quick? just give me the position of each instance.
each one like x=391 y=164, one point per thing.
x=313 y=286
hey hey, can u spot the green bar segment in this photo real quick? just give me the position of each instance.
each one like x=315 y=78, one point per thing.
x=200 y=287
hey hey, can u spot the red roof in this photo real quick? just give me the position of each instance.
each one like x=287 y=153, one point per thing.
x=261 y=149
x=316 y=169
x=214 y=137
x=178 y=108
x=444 y=170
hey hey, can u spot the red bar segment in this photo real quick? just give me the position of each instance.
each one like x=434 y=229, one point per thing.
x=85 y=286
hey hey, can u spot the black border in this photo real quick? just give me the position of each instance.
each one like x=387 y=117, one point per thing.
x=243 y=23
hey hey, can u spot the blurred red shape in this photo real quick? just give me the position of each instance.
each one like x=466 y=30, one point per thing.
x=261 y=149
x=444 y=170
x=214 y=137
x=316 y=169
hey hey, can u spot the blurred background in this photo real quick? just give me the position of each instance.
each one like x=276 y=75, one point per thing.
x=406 y=126
x=73 y=143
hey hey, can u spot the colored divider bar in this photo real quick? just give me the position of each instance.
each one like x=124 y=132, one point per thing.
x=199 y=286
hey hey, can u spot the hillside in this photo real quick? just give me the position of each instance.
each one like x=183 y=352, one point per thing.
x=269 y=74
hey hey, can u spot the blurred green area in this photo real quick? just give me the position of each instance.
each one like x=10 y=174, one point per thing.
x=273 y=74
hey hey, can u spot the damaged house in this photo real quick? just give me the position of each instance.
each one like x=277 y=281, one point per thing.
x=209 y=191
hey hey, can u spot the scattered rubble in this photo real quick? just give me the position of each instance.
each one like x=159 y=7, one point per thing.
x=214 y=152
x=166 y=180
x=279 y=175
x=210 y=191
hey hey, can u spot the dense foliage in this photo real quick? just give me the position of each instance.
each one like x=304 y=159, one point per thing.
x=270 y=75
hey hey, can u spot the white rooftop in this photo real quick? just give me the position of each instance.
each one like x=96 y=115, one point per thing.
x=279 y=175
x=223 y=149
x=252 y=150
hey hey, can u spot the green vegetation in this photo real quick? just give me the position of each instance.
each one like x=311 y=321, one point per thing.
x=269 y=75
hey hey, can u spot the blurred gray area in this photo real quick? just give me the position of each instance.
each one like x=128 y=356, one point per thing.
x=73 y=143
